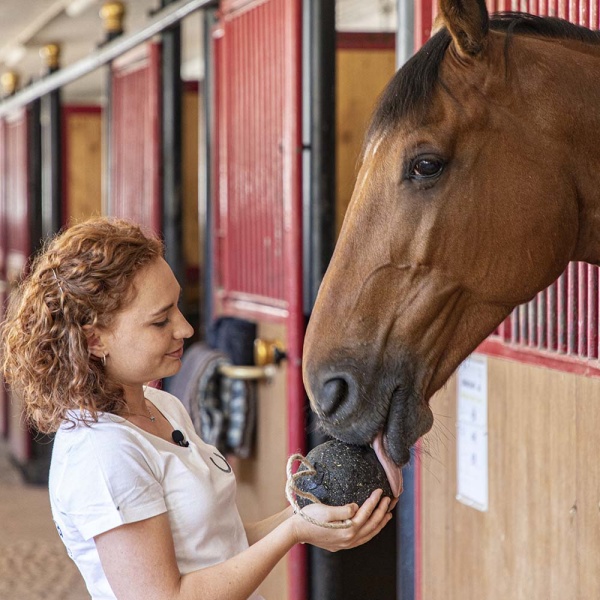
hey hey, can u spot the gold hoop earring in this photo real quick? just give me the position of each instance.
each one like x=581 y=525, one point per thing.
x=103 y=359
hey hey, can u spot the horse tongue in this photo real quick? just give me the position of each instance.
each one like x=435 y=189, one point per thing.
x=393 y=472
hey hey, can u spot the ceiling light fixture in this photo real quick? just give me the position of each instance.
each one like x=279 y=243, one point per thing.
x=13 y=54
x=76 y=7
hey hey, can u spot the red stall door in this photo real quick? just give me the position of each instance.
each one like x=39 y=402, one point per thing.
x=16 y=248
x=257 y=204
x=135 y=137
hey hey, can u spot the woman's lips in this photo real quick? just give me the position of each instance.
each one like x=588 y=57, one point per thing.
x=177 y=353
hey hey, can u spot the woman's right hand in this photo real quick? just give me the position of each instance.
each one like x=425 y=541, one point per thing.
x=366 y=522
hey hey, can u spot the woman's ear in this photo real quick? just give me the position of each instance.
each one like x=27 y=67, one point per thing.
x=94 y=342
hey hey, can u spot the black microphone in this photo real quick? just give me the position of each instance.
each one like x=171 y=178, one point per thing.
x=179 y=439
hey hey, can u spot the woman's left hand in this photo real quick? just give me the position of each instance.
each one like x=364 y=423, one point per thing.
x=365 y=523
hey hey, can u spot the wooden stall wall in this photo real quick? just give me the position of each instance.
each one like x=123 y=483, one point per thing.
x=82 y=162
x=261 y=478
x=368 y=58
x=191 y=109
x=540 y=537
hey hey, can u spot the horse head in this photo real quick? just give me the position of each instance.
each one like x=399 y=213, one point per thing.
x=469 y=200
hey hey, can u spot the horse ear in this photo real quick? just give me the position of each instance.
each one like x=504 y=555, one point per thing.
x=468 y=23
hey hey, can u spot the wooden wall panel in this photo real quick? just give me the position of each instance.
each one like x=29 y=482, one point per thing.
x=261 y=478
x=586 y=511
x=191 y=100
x=373 y=68
x=193 y=242
x=540 y=538
x=82 y=129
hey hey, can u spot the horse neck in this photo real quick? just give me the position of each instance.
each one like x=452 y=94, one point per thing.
x=568 y=95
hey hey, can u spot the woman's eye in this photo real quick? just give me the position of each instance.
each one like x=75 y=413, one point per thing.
x=426 y=168
x=161 y=323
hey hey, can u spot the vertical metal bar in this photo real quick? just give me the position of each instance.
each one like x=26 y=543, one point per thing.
x=422 y=22
x=582 y=309
x=405 y=33
x=107 y=133
x=582 y=17
x=207 y=185
x=515 y=326
x=592 y=308
x=318 y=142
x=524 y=324
x=33 y=152
x=408 y=525
x=51 y=152
x=572 y=313
x=507 y=329
x=573 y=11
x=552 y=321
x=562 y=307
x=563 y=9
x=170 y=147
x=542 y=319
x=593 y=16
x=532 y=323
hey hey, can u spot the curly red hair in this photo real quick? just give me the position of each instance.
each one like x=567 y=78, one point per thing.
x=83 y=276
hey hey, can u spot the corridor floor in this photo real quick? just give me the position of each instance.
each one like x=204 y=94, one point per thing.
x=33 y=562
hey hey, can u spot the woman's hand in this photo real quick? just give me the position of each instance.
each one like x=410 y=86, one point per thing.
x=367 y=521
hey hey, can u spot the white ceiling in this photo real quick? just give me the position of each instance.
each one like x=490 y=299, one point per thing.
x=27 y=25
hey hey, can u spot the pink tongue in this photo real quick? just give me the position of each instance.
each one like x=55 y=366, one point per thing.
x=393 y=472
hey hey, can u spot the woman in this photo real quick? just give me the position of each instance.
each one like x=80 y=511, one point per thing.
x=143 y=513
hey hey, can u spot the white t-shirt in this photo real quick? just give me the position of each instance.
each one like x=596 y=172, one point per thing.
x=113 y=472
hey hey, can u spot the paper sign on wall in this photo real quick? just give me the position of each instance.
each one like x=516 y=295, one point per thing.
x=472 y=433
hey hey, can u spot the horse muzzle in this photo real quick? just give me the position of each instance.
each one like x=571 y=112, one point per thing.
x=355 y=408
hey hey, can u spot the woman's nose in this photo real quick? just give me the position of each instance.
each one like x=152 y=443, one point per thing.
x=184 y=330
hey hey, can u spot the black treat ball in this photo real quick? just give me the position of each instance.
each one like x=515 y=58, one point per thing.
x=344 y=474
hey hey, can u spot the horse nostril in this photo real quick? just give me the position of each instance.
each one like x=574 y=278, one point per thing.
x=334 y=393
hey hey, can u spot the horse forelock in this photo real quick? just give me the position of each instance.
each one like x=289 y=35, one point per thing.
x=410 y=91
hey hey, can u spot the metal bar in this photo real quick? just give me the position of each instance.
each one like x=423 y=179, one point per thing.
x=318 y=106
x=405 y=35
x=162 y=20
x=33 y=150
x=207 y=184
x=171 y=154
x=572 y=312
x=592 y=307
x=552 y=335
x=524 y=324
x=515 y=326
x=51 y=146
x=532 y=318
x=561 y=309
x=582 y=309
x=542 y=320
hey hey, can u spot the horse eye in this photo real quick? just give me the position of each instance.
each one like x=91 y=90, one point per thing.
x=426 y=168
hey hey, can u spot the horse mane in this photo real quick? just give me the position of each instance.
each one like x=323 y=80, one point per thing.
x=410 y=91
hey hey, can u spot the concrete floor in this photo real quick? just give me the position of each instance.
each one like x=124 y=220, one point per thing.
x=33 y=561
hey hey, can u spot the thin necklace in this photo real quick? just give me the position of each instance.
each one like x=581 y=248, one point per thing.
x=148 y=416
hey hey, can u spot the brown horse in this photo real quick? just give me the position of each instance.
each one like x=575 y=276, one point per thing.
x=480 y=181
